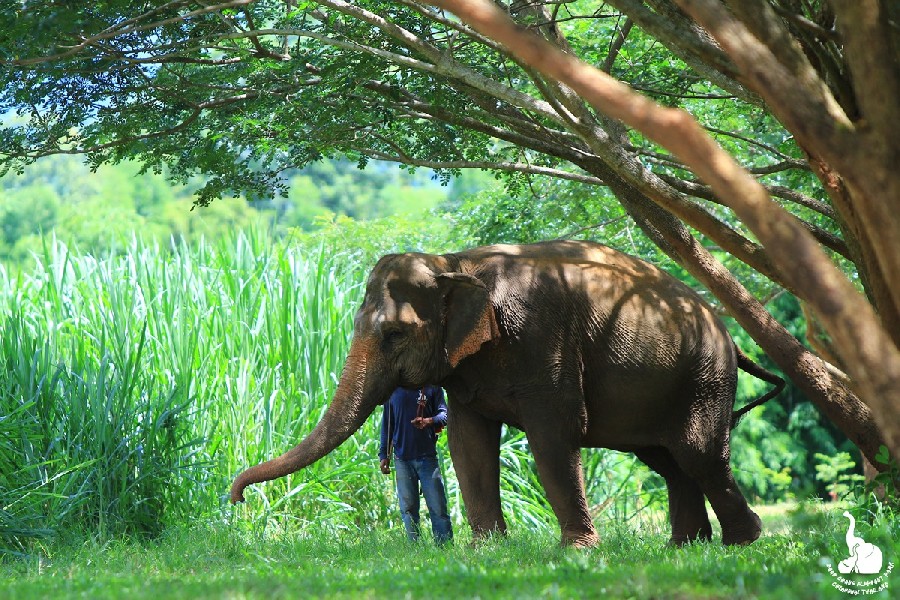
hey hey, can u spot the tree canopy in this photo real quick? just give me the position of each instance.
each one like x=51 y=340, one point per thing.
x=802 y=94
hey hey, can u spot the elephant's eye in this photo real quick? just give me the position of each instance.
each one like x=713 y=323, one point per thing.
x=392 y=336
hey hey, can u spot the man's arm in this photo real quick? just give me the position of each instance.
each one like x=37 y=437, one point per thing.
x=384 y=463
x=382 y=450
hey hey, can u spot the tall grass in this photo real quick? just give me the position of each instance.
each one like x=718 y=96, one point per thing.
x=137 y=386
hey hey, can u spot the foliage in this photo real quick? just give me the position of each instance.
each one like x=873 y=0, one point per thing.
x=774 y=447
x=334 y=82
x=543 y=209
x=245 y=95
x=99 y=212
x=310 y=93
x=335 y=187
x=291 y=115
x=142 y=382
x=886 y=484
x=832 y=470
x=366 y=241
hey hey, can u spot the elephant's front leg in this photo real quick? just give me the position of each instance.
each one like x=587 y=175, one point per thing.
x=558 y=462
x=475 y=451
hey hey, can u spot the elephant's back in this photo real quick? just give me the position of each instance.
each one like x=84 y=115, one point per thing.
x=573 y=258
x=643 y=342
x=559 y=252
x=572 y=276
x=624 y=311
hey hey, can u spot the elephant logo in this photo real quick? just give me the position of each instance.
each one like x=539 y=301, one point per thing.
x=865 y=558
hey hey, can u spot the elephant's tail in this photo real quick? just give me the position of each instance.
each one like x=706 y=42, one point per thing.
x=748 y=366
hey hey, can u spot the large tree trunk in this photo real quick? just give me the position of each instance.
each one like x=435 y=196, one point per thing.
x=854 y=134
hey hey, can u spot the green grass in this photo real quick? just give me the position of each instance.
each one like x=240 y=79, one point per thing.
x=230 y=562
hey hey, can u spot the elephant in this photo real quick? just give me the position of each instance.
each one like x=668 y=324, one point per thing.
x=572 y=342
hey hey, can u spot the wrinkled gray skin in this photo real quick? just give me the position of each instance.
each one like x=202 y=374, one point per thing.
x=574 y=343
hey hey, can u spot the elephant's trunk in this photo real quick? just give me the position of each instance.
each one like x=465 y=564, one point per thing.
x=362 y=387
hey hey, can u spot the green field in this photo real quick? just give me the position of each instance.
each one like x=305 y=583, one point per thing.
x=222 y=561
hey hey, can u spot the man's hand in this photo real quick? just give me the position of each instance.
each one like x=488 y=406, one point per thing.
x=385 y=466
x=422 y=422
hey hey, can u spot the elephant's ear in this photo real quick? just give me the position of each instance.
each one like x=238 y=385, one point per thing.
x=469 y=319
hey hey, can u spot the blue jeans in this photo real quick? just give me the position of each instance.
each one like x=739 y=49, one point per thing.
x=410 y=473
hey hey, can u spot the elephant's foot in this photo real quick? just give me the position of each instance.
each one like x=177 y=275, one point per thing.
x=580 y=539
x=743 y=533
x=689 y=527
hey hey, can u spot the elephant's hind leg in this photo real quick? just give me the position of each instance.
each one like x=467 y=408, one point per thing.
x=687 y=507
x=712 y=471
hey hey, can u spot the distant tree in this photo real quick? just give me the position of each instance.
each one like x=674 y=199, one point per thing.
x=804 y=95
x=302 y=204
x=226 y=217
x=99 y=212
x=35 y=209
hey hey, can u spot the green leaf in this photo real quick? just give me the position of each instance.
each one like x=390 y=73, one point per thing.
x=883 y=456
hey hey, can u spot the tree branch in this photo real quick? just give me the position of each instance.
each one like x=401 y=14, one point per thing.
x=810 y=26
x=799 y=164
x=860 y=152
x=198 y=109
x=876 y=82
x=812 y=113
x=826 y=238
x=508 y=167
x=681 y=37
x=126 y=27
x=704 y=191
x=849 y=318
x=522 y=132
x=816 y=377
x=616 y=44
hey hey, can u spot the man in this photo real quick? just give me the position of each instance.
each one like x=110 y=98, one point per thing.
x=410 y=424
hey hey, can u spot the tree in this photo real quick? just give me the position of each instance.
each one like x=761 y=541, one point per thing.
x=803 y=93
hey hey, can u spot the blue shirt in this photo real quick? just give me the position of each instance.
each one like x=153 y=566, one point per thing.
x=411 y=443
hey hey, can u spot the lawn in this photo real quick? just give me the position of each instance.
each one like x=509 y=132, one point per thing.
x=218 y=561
